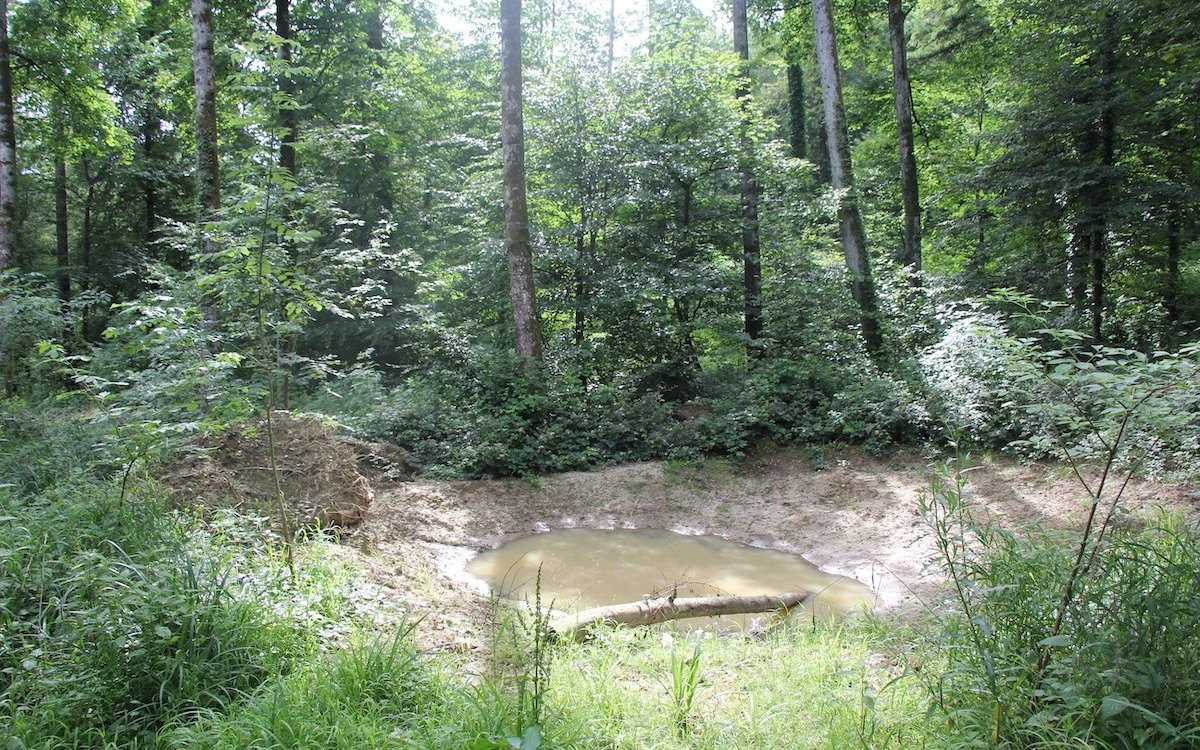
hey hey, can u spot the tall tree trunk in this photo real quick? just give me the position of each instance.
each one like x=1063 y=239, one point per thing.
x=1104 y=188
x=8 y=149
x=85 y=250
x=381 y=163
x=289 y=124
x=516 y=210
x=796 y=105
x=62 y=248
x=819 y=156
x=208 y=168
x=150 y=129
x=751 y=252
x=795 y=79
x=580 y=282
x=1078 y=248
x=902 y=92
x=854 y=240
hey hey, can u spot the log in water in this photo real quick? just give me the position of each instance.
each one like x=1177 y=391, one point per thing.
x=583 y=568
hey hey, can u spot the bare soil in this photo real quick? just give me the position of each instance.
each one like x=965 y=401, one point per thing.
x=850 y=513
x=853 y=514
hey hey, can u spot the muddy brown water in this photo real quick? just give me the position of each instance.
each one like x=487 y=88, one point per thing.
x=582 y=568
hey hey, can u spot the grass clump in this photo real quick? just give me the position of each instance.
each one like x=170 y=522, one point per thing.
x=376 y=694
x=111 y=623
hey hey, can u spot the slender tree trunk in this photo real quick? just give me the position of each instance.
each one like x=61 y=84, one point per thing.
x=150 y=128
x=751 y=251
x=516 y=211
x=854 y=241
x=1078 y=247
x=1104 y=190
x=796 y=104
x=8 y=149
x=381 y=163
x=1174 y=251
x=795 y=78
x=8 y=180
x=62 y=248
x=85 y=252
x=820 y=155
x=904 y=129
x=289 y=124
x=208 y=168
x=580 y=282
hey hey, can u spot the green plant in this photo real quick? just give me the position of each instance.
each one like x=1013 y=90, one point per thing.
x=113 y=630
x=1045 y=628
x=685 y=680
x=377 y=693
x=520 y=656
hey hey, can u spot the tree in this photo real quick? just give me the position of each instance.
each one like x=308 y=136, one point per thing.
x=902 y=91
x=8 y=148
x=751 y=255
x=288 y=117
x=854 y=239
x=208 y=167
x=516 y=210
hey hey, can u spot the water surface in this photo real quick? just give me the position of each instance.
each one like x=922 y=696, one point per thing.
x=583 y=568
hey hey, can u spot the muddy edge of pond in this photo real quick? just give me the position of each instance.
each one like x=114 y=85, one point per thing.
x=857 y=517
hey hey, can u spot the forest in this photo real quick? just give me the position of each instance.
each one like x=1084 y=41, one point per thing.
x=484 y=243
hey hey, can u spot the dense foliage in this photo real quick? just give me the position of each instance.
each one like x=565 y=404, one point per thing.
x=354 y=265
x=1060 y=164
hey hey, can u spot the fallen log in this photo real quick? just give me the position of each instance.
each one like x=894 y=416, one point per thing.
x=575 y=627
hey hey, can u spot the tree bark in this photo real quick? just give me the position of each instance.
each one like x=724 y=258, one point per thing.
x=902 y=93
x=795 y=79
x=575 y=627
x=798 y=138
x=1108 y=150
x=8 y=149
x=1174 y=251
x=208 y=168
x=62 y=248
x=751 y=250
x=854 y=241
x=289 y=124
x=516 y=210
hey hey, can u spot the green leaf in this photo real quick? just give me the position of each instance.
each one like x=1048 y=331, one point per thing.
x=1056 y=641
x=1112 y=705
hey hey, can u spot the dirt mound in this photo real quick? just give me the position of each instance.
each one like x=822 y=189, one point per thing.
x=318 y=472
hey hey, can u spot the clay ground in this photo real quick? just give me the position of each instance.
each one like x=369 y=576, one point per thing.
x=853 y=514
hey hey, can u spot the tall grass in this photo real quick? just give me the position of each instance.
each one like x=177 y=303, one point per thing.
x=1113 y=668
x=108 y=628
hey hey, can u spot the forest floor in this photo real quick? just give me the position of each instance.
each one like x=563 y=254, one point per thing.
x=848 y=512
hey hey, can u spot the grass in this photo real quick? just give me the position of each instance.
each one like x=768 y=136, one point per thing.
x=826 y=686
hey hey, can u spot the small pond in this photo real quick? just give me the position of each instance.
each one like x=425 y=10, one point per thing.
x=582 y=568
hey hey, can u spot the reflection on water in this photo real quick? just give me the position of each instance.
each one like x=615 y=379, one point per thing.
x=583 y=568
